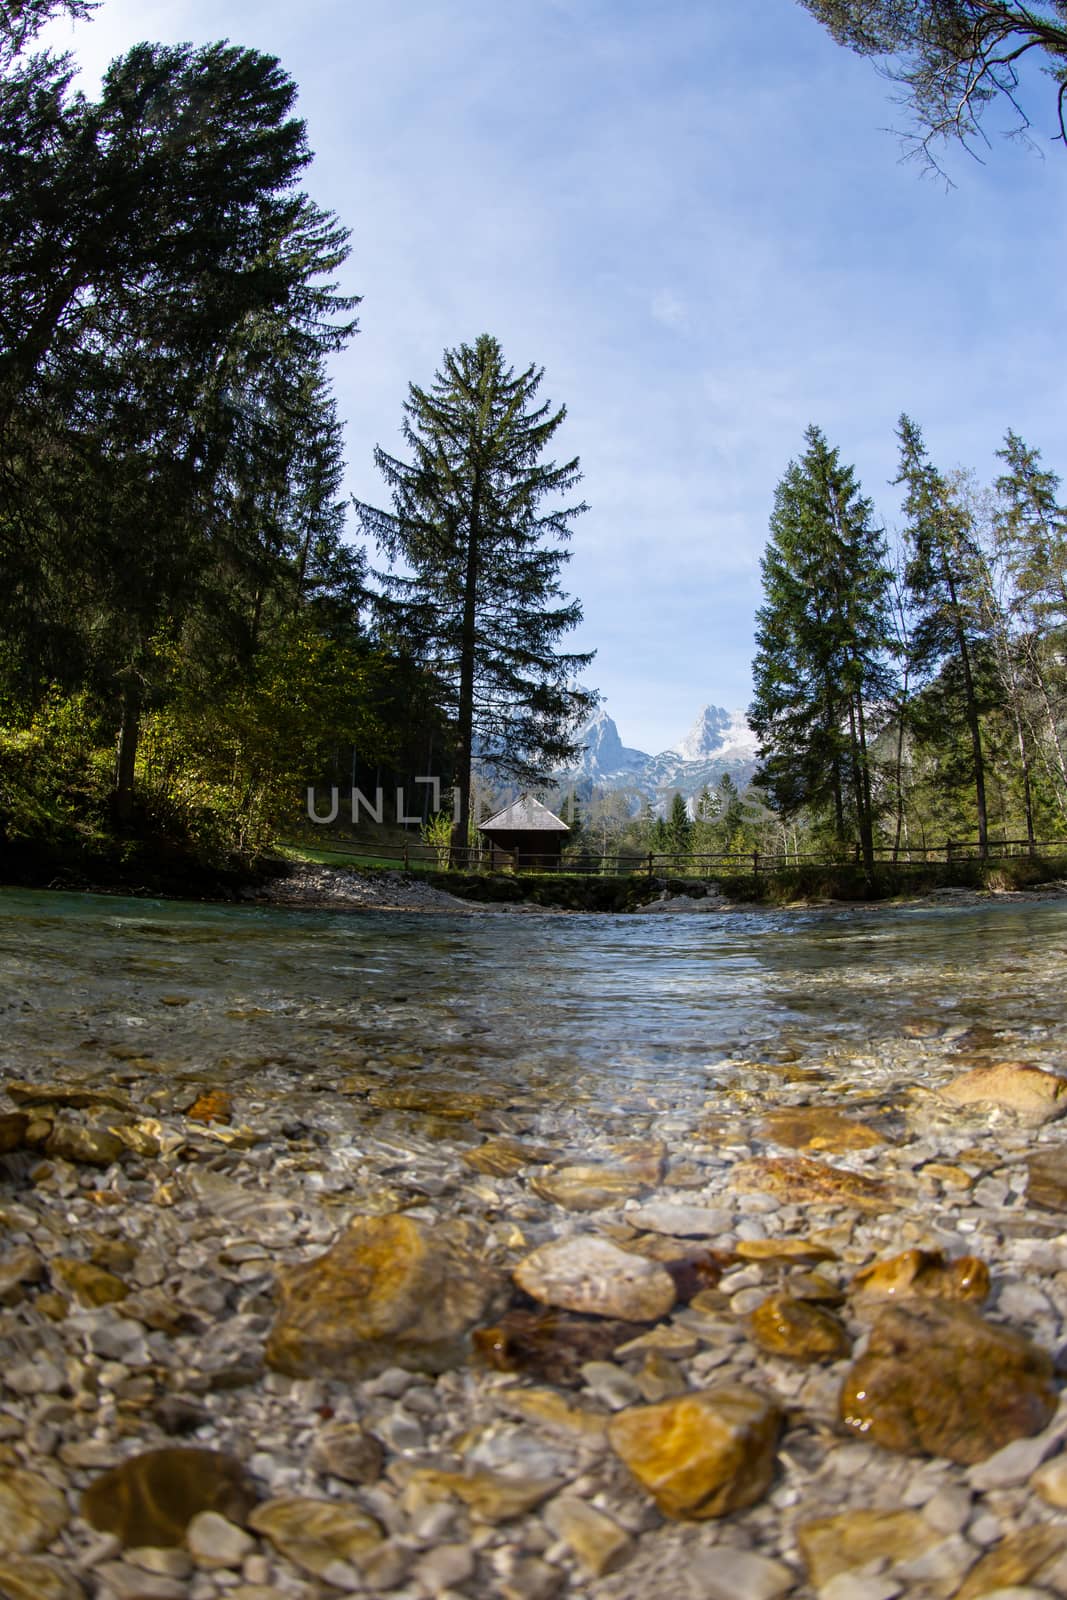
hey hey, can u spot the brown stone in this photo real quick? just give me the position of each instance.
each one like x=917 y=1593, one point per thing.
x=92 y=1147
x=13 y=1125
x=799 y=1330
x=59 y=1094
x=32 y=1512
x=344 y=1450
x=598 y=1543
x=701 y=1455
x=502 y=1158
x=17 y=1269
x=315 y=1533
x=390 y=1291
x=803 y=1180
x=1016 y=1561
x=35 y=1578
x=490 y=1496
x=584 y=1273
x=553 y=1345
x=452 y=1104
x=89 y=1285
x=1033 y=1094
x=588 y=1188
x=938 y=1379
x=787 y=1250
x=151 y=1498
x=819 y=1128
x=924 y=1272
x=832 y=1545
x=1047 y=1180
x=214 y=1105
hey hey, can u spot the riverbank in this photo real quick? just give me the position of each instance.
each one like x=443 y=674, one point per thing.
x=180 y=1230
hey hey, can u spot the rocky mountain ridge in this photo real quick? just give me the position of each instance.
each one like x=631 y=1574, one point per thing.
x=718 y=742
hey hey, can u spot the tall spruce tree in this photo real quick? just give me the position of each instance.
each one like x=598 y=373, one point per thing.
x=945 y=576
x=475 y=525
x=822 y=636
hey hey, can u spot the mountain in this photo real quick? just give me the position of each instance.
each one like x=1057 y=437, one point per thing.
x=718 y=742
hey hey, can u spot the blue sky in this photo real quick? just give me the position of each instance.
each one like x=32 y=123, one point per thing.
x=690 y=217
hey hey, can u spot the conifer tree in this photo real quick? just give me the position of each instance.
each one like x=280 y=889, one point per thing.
x=821 y=642
x=945 y=576
x=476 y=524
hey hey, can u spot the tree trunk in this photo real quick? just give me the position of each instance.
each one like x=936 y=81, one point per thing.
x=970 y=712
x=465 y=712
x=126 y=760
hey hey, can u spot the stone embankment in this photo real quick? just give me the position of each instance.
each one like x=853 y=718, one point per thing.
x=364 y=1338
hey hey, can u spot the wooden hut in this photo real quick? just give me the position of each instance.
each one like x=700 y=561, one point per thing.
x=524 y=834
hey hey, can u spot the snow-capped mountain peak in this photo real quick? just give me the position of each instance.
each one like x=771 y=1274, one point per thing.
x=717 y=733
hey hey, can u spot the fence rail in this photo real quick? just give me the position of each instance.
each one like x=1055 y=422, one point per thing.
x=660 y=863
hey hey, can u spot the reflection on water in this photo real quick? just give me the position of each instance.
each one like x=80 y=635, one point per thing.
x=593 y=1005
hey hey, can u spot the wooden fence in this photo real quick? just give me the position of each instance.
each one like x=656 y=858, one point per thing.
x=664 y=864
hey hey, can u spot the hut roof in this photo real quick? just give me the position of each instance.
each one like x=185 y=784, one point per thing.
x=524 y=815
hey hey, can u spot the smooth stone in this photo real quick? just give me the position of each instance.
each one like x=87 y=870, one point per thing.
x=798 y=1330
x=151 y=1498
x=1033 y=1094
x=123 y=1582
x=391 y=1291
x=446 y=1568
x=937 y=1379
x=88 y=1285
x=819 y=1128
x=13 y=1125
x=166 y=1562
x=925 y=1272
x=1015 y=1560
x=684 y=1222
x=18 y=1269
x=704 y=1454
x=315 y=1533
x=1047 y=1179
x=32 y=1512
x=215 y=1541
x=553 y=1345
x=803 y=1251
x=1050 y=1482
x=597 y=1542
x=490 y=1496
x=588 y=1188
x=855 y=1539
x=587 y=1274
x=345 y=1450
x=93 y=1147
x=1020 y=1459
x=802 y=1180
x=33 y=1578
x=858 y=1586
x=727 y=1574
x=503 y=1158
x=214 y=1105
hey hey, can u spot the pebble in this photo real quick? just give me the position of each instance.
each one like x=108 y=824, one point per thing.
x=727 y=1574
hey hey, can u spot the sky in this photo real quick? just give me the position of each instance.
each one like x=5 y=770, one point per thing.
x=693 y=219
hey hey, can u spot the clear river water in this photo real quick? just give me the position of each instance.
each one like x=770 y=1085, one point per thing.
x=639 y=1012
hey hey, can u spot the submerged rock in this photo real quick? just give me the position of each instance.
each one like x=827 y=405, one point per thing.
x=925 y=1272
x=819 y=1128
x=588 y=1188
x=801 y=1180
x=32 y=1512
x=316 y=1533
x=390 y=1291
x=799 y=1330
x=34 y=1578
x=938 y=1379
x=549 y=1344
x=584 y=1273
x=151 y=1498
x=1034 y=1095
x=1047 y=1180
x=701 y=1455
x=833 y=1545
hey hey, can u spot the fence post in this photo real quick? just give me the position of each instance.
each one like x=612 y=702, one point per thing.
x=650 y=866
x=755 y=863
x=948 y=849
x=516 y=861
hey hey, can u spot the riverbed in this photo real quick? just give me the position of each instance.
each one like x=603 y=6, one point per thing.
x=272 y=1075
